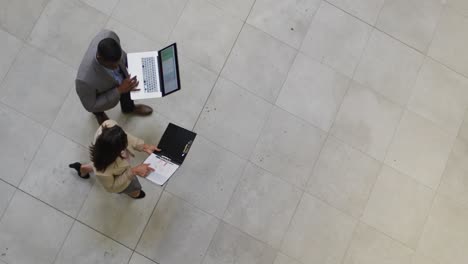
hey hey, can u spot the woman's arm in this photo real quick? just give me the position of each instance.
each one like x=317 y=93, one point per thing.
x=139 y=145
x=134 y=142
x=115 y=183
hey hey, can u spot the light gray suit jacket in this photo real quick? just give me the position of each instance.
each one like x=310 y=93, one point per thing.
x=96 y=88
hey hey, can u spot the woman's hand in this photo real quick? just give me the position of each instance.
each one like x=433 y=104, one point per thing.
x=142 y=170
x=150 y=148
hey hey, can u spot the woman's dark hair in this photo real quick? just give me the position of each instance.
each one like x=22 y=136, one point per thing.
x=108 y=147
x=109 y=50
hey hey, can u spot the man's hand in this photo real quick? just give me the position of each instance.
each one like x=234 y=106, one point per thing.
x=128 y=84
x=142 y=170
x=150 y=148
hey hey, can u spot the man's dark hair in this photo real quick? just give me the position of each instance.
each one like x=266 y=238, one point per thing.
x=108 y=147
x=109 y=50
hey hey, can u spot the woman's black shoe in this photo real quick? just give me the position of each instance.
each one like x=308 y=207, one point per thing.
x=77 y=167
x=141 y=195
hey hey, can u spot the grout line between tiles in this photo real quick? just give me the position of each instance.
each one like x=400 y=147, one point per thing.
x=303 y=192
x=149 y=218
x=69 y=216
x=60 y=108
x=67 y=137
x=245 y=234
x=131 y=256
x=4 y=77
x=350 y=242
x=35 y=152
x=291 y=220
x=109 y=17
x=278 y=39
x=204 y=105
x=436 y=193
x=379 y=13
x=176 y=23
x=193 y=205
x=298 y=50
x=381 y=163
x=104 y=235
x=275 y=100
x=394 y=240
x=358 y=63
x=135 y=252
x=52 y=55
x=33 y=157
x=211 y=242
x=111 y=14
x=52 y=207
x=180 y=198
x=85 y=199
x=9 y=201
x=431 y=207
x=7 y=183
x=63 y=242
x=448 y=67
x=219 y=220
x=312 y=19
x=274 y=37
x=234 y=189
x=133 y=29
x=346 y=11
x=375 y=27
x=211 y=91
x=246 y=90
x=405 y=109
x=446 y=7
x=436 y=27
x=2 y=27
x=304 y=189
x=36 y=21
x=23 y=115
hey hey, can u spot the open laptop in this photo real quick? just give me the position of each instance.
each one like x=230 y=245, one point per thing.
x=157 y=72
x=175 y=145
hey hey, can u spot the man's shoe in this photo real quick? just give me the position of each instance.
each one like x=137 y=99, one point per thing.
x=101 y=117
x=142 y=110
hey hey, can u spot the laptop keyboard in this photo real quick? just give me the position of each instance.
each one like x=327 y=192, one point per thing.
x=149 y=74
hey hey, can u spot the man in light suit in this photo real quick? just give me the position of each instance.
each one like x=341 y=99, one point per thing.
x=103 y=80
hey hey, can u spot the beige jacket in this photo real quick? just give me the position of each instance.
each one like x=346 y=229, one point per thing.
x=118 y=175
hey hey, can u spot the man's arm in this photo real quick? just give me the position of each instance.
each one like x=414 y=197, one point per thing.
x=94 y=102
x=124 y=58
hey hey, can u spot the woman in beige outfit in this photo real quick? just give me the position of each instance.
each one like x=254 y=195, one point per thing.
x=110 y=156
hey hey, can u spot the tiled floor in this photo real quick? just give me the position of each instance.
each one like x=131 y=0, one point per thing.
x=329 y=132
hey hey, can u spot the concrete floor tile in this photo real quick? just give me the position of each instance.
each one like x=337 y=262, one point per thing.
x=177 y=232
x=208 y=177
x=206 y=34
x=31 y=231
x=51 y=180
x=85 y=246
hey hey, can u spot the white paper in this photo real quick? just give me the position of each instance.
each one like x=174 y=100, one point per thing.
x=163 y=169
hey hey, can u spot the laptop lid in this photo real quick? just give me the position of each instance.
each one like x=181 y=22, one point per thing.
x=175 y=143
x=169 y=70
